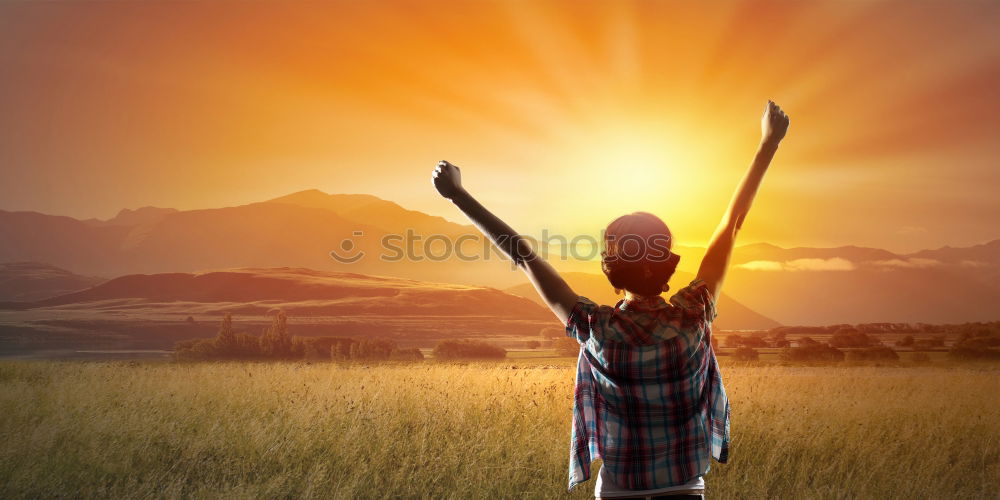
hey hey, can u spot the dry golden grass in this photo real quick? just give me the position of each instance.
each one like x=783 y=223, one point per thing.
x=469 y=431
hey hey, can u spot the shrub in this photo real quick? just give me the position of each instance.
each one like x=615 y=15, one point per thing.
x=408 y=354
x=195 y=349
x=753 y=341
x=227 y=344
x=320 y=348
x=746 y=354
x=341 y=349
x=275 y=343
x=533 y=344
x=311 y=352
x=906 y=341
x=975 y=348
x=798 y=329
x=247 y=345
x=811 y=353
x=849 y=337
x=468 y=349
x=373 y=349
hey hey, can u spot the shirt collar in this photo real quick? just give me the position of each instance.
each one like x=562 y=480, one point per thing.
x=646 y=303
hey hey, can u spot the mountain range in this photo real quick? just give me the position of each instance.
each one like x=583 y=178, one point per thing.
x=808 y=286
x=152 y=311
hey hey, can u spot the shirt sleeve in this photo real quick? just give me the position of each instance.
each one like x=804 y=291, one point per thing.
x=697 y=304
x=583 y=320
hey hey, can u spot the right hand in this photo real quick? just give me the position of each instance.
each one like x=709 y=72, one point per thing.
x=773 y=123
x=447 y=179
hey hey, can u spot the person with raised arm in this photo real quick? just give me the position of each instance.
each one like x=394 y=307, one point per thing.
x=649 y=399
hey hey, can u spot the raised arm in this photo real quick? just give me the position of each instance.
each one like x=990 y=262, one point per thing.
x=553 y=289
x=773 y=125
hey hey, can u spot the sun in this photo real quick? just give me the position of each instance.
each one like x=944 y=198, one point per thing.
x=630 y=165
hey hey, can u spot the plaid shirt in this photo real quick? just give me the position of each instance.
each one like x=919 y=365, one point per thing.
x=649 y=398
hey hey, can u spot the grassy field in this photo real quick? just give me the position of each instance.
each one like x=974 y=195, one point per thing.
x=477 y=430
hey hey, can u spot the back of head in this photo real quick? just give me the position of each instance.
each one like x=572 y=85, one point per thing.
x=637 y=254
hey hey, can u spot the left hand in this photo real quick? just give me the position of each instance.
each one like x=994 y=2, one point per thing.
x=447 y=180
x=773 y=123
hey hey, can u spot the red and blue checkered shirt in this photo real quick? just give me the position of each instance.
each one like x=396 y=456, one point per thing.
x=649 y=399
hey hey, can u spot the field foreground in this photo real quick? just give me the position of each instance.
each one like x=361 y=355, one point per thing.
x=487 y=430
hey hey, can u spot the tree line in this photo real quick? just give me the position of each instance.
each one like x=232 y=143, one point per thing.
x=275 y=343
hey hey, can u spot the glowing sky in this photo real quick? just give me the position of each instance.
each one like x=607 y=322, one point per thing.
x=562 y=114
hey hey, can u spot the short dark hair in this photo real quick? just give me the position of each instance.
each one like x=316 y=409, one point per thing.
x=637 y=255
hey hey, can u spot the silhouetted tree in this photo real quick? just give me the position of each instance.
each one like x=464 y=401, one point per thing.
x=342 y=350
x=373 y=349
x=275 y=343
x=226 y=338
x=850 y=337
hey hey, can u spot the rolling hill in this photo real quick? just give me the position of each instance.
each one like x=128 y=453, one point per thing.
x=304 y=292
x=153 y=311
x=31 y=281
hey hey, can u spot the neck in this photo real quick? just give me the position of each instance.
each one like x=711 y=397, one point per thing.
x=629 y=296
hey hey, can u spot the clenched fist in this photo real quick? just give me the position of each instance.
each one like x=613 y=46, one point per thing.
x=447 y=179
x=773 y=123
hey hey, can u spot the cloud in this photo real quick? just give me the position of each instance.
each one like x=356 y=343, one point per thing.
x=973 y=263
x=914 y=263
x=761 y=265
x=834 y=264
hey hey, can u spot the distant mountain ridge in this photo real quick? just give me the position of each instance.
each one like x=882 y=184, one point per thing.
x=374 y=211
x=139 y=216
x=807 y=286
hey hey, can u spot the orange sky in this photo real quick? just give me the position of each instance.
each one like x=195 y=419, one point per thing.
x=562 y=114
